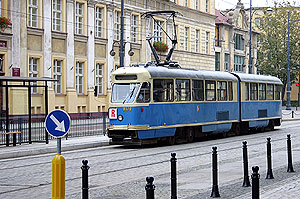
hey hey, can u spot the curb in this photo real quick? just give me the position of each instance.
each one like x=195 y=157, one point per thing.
x=51 y=149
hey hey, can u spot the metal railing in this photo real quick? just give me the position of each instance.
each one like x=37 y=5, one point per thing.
x=82 y=124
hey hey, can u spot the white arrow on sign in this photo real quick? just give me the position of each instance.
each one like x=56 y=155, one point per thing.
x=60 y=125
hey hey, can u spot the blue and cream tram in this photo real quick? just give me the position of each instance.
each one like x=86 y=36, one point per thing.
x=156 y=103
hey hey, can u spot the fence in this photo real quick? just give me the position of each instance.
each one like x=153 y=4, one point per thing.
x=82 y=124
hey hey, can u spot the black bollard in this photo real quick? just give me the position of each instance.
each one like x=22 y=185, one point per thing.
x=246 y=182
x=215 y=190
x=85 y=179
x=269 y=160
x=255 y=182
x=289 y=152
x=150 y=187
x=173 y=176
x=292 y=114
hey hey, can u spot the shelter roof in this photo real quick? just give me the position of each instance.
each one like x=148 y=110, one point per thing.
x=25 y=79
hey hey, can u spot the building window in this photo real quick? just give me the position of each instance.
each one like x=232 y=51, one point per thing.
x=198 y=90
x=207 y=6
x=186 y=38
x=117 y=25
x=57 y=75
x=239 y=42
x=239 y=63
x=197 y=35
x=144 y=95
x=217 y=61
x=157 y=32
x=99 y=78
x=262 y=92
x=79 y=77
x=33 y=13
x=197 y=4
x=186 y=3
x=33 y=72
x=134 y=28
x=207 y=42
x=222 y=91
x=57 y=13
x=79 y=18
x=226 y=62
x=210 y=90
x=99 y=22
x=183 y=90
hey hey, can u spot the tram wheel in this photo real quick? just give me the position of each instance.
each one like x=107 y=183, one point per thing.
x=190 y=135
x=171 y=140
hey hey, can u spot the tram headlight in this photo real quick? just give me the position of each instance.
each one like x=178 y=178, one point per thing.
x=120 y=117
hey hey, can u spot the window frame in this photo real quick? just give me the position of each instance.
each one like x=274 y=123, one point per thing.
x=117 y=25
x=99 y=21
x=79 y=77
x=207 y=35
x=157 y=31
x=134 y=28
x=270 y=92
x=169 y=91
x=181 y=91
x=254 y=91
x=262 y=91
x=186 y=38
x=197 y=36
x=58 y=76
x=221 y=90
x=33 y=11
x=33 y=73
x=79 y=24
x=99 y=77
x=210 y=90
x=56 y=12
x=198 y=90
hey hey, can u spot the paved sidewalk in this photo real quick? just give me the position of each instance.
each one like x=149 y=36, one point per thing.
x=41 y=148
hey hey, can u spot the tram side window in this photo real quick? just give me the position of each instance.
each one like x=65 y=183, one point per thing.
x=163 y=90
x=198 y=90
x=210 y=90
x=222 y=91
x=183 y=90
x=247 y=91
x=230 y=91
x=253 y=91
x=262 y=91
x=270 y=92
x=144 y=95
x=277 y=92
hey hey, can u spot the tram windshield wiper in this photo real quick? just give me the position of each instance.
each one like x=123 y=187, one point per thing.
x=130 y=95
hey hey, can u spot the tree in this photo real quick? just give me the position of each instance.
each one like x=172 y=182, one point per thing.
x=273 y=42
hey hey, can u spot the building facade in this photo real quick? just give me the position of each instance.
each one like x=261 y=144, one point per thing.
x=71 y=40
x=232 y=41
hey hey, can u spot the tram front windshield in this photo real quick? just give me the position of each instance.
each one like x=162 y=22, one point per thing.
x=124 y=93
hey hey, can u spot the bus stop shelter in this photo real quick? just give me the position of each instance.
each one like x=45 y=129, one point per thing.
x=7 y=82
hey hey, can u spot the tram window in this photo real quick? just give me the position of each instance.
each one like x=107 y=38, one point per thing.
x=278 y=89
x=246 y=91
x=198 y=90
x=262 y=91
x=253 y=91
x=183 y=90
x=144 y=95
x=222 y=91
x=230 y=91
x=163 y=90
x=270 y=92
x=210 y=89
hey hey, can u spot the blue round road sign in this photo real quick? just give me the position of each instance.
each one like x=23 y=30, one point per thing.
x=58 y=123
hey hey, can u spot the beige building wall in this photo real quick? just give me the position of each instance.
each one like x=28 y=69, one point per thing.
x=63 y=51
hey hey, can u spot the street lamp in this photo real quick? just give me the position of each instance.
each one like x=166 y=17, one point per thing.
x=250 y=47
x=113 y=52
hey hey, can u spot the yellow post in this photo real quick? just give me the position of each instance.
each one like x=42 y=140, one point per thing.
x=58 y=177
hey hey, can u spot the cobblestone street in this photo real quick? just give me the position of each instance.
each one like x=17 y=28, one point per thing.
x=120 y=172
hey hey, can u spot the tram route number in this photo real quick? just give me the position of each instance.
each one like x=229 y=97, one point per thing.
x=126 y=108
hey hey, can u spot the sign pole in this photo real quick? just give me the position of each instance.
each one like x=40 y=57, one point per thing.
x=57 y=124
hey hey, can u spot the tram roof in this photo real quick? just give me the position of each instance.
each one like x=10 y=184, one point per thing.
x=258 y=78
x=164 y=72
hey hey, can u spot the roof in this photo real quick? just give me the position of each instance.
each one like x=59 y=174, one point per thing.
x=25 y=79
x=258 y=78
x=222 y=18
x=164 y=72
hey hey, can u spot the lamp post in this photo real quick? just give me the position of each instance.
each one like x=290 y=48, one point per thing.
x=122 y=35
x=250 y=47
x=288 y=90
x=122 y=46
